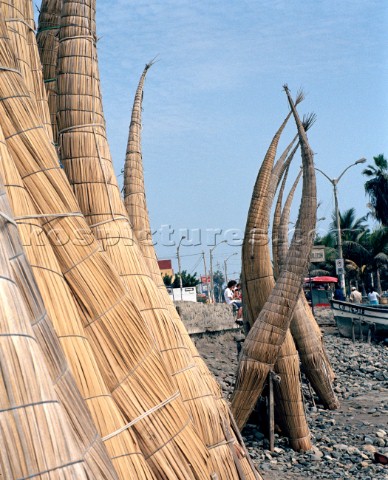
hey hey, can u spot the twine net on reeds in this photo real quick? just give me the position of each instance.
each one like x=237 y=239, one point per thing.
x=18 y=16
x=134 y=188
x=258 y=275
x=126 y=364
x=264 y=341
x=47 y=38
x=36 y=436
x=86 y=159
x=135 y=202
x=122 y=448
x=303 y=325
x=256 y=269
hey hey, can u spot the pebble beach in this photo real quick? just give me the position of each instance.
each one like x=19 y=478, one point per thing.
x=346 y=441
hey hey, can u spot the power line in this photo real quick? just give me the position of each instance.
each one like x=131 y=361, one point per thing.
x=196 y=265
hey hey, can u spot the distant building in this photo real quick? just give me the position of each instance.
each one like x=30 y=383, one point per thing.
x=166 y=268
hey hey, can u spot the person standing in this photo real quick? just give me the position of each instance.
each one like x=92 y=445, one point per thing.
x=373 y=297
x=355 y=296
x=339 y=294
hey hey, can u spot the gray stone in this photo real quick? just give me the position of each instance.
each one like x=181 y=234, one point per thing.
x=380 y=442
x=259 y=435
x=315 y=458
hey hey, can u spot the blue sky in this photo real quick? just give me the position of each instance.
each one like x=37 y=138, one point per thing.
x=214 y=100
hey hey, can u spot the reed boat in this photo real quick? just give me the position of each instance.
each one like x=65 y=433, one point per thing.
x=357 y=320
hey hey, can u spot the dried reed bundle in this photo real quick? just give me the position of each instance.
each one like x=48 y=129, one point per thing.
x=122 y=448
x=36 y=67
x=18 y=15
x=257 y=270
x=36 y=436
x=289 y=400
x=318 y=332
x=288 y=393
x=275 y=225
x=83 y=141
x=17 y=29
x=135 y=202
x=126 y=354
x=134 y=189
x=304 y=327
x=290 y=409
x=47 y=38
x=136 y=206
x=263 y=342
x=106 y=301
x=279 y=174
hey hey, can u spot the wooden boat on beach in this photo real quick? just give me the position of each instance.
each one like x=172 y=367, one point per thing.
x=358 y=320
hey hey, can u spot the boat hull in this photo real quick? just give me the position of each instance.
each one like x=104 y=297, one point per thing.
x=359 y=320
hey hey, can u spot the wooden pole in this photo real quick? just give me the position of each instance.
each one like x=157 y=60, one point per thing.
x=271 y=413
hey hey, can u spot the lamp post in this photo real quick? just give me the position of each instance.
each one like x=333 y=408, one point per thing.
x=310 y=279
x=205 y=273
x=225 y=266
x=179 y=263
x=334 y=182
x=211 y=298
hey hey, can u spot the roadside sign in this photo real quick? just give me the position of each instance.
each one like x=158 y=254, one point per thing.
x=339 y=266
x=317 y=254
x=205 y=279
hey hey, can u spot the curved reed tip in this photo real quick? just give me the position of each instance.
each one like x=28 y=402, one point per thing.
x=151 y=62
x=308 y=120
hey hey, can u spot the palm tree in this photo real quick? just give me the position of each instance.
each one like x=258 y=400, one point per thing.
x=352 y=228
x=377 y=188
x=370 y=255
x=378 y=249
x=352 y=232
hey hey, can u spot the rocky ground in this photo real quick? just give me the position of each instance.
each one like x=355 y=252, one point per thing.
x=345 y=440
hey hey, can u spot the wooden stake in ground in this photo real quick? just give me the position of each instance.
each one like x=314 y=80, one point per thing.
x=263 y=343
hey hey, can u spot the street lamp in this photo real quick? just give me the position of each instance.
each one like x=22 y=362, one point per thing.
x=334 y=182
x=179 y=263
x=225 y=266
x=211 y=271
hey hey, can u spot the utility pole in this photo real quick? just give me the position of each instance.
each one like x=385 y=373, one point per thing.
x=226 y=266
x=211 y=271
x=179 y=264
x=205 y=270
